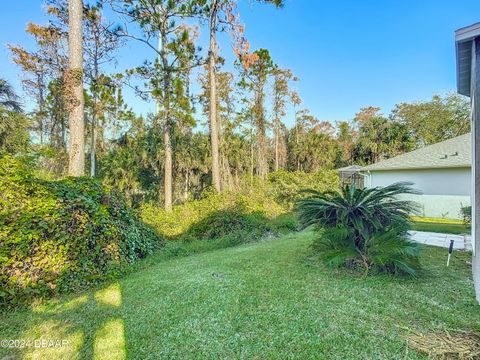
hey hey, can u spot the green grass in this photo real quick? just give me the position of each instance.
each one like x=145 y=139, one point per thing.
x=448 y=228
x=265 y=300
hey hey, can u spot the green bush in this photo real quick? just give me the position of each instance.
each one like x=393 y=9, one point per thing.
x=271 y=199
x=286 y=187
x=388 y=251
x=219 y=220
x=225 y=229
x=363 y=227
x=223 y=223
x=466 y=212
x=173 y=225
x=285 y=223
x=56 y=236
x=14 y=136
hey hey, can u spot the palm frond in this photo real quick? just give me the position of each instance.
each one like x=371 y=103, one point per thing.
x=8 y=98
x=363 y=226
x=334 y=247
x=394 y=252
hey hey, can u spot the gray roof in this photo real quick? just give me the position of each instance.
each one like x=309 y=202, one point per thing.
x=450 y=153
x=463 y=43
x=350 y=168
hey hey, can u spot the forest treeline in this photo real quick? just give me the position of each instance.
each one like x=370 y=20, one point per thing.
x=231 y=144
x=212 y=127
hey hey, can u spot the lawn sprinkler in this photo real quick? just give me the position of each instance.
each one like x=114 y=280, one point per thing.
x=450 y=249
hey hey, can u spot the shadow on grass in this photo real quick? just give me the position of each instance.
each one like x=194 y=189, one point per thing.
x=89 y=326
x=93 y=323
x=256 y=302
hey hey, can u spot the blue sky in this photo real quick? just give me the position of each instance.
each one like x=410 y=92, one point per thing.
x=347 y=53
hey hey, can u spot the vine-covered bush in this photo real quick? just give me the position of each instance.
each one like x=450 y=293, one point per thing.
x=61 y=235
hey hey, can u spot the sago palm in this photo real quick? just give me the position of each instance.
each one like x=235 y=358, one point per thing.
x=363 y=226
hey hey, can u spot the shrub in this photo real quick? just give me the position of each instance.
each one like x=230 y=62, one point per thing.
x=466 y=212
x=271 y=199
x=285 y=223
x=219 y=220
x=286 y=187
x=223 y=223
x=174 y=224
x=60 y=235
x=225 y=229
x=363 y=227
x=14 y=137
x=386 y=251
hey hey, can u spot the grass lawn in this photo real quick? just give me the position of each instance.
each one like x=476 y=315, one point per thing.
x=265 y=300
x=447 y=228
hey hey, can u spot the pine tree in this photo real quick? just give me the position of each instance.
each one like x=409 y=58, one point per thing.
x=74 y=88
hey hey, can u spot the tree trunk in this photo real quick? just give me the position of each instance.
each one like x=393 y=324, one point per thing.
x=186 y=187
x=93 y=146
x=93 y=139
x=167 y=131
x=251 y=157
x=261 y=132
x=63 y=139
x=213 y=99
x=297 y=140
x=76 y=164
x=277 y=147
x=41 y=104
x=96 y=71
x=168 y=181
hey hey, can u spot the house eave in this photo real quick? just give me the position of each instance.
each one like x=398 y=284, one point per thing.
x=463 y=47
x=419 y=168
x=467 y=33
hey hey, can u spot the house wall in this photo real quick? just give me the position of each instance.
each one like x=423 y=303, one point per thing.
x=444 y=191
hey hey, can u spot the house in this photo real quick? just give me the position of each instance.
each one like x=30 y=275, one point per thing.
x=442 y=172
x=467 y=46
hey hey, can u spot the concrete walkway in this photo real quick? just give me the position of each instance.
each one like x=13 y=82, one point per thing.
x=461 y=242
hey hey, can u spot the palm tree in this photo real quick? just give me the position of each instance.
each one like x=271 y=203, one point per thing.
x=8 y=99
x=363 y=227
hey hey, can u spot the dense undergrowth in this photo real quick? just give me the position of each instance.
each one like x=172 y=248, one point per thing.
x=247 y=207
x=63 y=235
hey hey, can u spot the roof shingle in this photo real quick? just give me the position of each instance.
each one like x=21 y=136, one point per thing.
x=455 y=152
